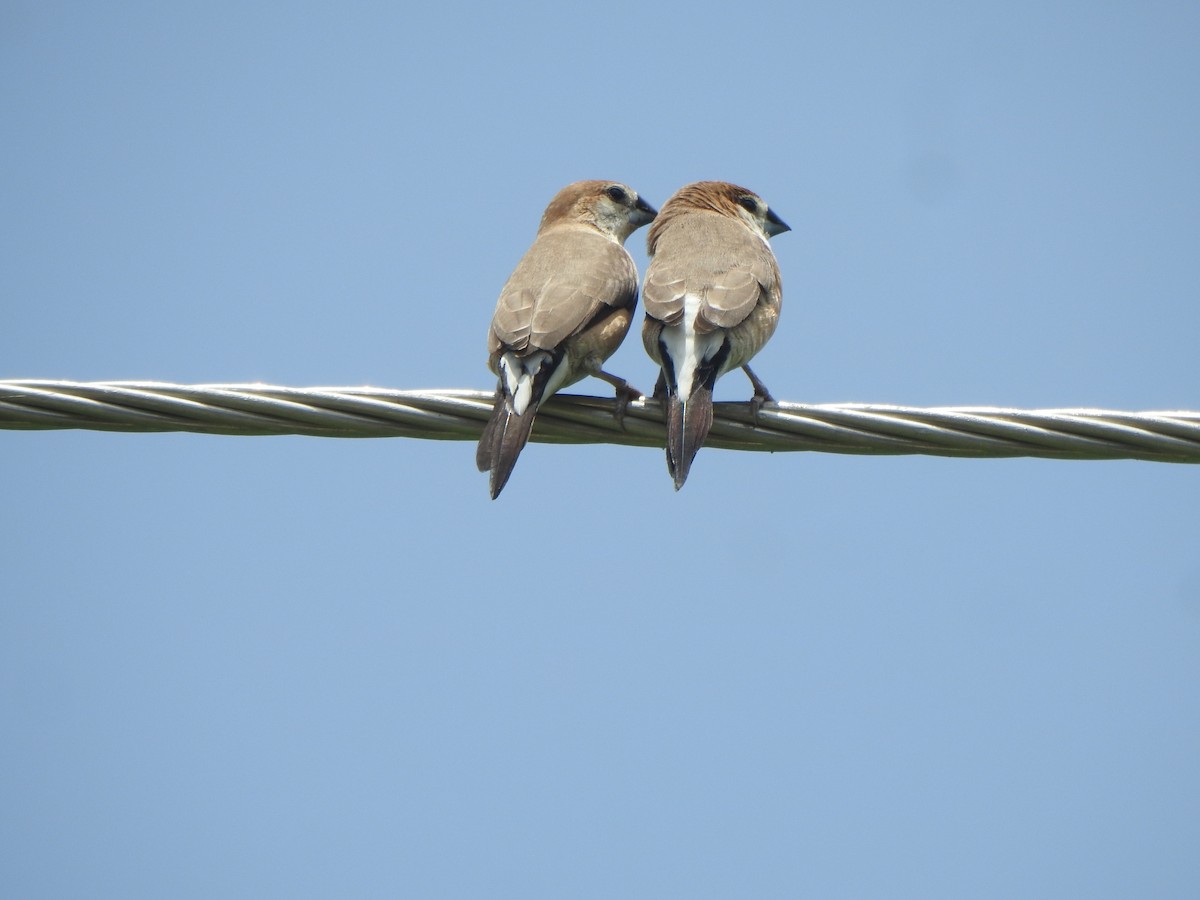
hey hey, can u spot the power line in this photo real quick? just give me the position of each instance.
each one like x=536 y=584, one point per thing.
x=458 y=415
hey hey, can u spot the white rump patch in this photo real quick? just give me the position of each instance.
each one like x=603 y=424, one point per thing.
x=519 y=372
x=687 y=349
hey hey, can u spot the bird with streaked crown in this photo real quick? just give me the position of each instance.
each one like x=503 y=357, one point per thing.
x=712 y=297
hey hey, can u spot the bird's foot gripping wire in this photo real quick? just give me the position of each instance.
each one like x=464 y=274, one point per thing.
x=761 y=394
x=626 y=393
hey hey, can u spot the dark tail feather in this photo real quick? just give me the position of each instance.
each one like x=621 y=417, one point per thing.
x=486 y=451
x=687 y=427
x=511 y=434
x=506 y=433
x=674 y=435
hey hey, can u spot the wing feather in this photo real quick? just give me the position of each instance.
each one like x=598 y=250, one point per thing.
x=567 y=278
x=713 y=257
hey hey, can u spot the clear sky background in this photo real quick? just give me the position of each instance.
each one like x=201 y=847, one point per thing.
x=300 y=667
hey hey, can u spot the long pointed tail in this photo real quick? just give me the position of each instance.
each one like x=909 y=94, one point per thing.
x=688 y=423
x=486 y=450
x=522 y=386
x=503 y=439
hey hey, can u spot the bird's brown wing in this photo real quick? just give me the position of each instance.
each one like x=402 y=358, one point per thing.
x=567 y=278
x=713 y=257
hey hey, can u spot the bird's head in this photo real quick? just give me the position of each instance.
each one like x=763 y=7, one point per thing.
x=729 y=200
x=608 y=206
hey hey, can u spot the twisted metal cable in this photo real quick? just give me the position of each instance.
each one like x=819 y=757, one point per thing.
x=456 y=415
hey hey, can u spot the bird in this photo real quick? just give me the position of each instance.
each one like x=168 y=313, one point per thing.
x=564 y=310
x=712 y=297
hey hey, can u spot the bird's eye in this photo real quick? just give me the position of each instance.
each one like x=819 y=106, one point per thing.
x=616 y=195
x=750 y=204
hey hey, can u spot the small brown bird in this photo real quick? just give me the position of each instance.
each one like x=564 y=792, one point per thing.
x=564 y=310
x=712 y=295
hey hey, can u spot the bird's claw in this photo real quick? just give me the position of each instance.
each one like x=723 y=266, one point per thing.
x=761 y=395
x=625 y=395
x=756 y=405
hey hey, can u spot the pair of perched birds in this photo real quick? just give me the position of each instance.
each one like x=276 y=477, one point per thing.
x=712 y=296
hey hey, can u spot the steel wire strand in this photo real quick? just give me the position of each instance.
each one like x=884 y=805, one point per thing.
x=262 y=409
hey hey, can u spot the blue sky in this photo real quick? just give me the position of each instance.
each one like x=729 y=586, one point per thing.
x=300 y=667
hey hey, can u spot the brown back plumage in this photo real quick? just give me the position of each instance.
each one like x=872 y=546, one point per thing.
x=564 y=310
x=568 y=276
x=709 y=243
x=702 y=245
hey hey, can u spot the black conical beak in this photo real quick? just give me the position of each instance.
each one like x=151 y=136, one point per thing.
x=776 y=225
x=643 y=212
